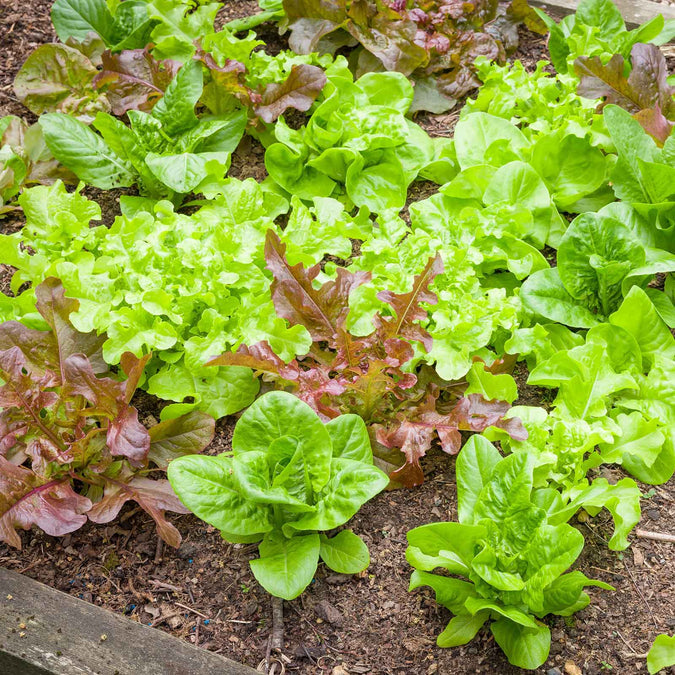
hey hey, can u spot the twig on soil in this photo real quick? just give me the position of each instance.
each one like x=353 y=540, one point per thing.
x=277 y=641
x=623 y=639
x=162 y=619
x=166 y=587
x=159 y=550
x=191 y=609
x=655 y=536
x=634 y=656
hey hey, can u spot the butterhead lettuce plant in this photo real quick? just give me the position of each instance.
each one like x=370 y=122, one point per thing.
x=288 y=480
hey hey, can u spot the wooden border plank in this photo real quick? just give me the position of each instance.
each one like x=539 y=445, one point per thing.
x=46 y=632
x=635 y=12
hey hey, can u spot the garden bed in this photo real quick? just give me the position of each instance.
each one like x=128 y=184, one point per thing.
x=205 y=592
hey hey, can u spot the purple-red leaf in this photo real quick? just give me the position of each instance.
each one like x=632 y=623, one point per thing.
x=645 y=92
x=26 y=501
x=153 y=496
x=407 y=306
x=56 y=309
x=134 y=79
x=259 y=357
x=322 y=312
x=299 y=91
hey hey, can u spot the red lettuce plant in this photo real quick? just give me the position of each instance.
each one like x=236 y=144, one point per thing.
x=434 y=41
x=645 y=92
x=405 y=406
x=71 y=445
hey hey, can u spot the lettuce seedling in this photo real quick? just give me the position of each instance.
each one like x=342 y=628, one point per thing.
x=71 y=445
x=511 y=560
x=373 y=376
x=288 y=480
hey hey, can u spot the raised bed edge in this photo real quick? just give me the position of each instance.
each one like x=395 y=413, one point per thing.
x=67 y=636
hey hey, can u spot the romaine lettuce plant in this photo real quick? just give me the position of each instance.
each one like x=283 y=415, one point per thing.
x=511 y=560
x=168 y=152
x=435 y=42
x=71 y=445
x=644 y=176
x=599 y=260
x=373 y=376
x=617 y=385
x=289 y=479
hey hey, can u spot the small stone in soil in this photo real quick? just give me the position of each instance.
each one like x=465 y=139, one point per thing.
x=324 y=610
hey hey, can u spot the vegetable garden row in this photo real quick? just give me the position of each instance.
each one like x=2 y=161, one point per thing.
x=356 y=329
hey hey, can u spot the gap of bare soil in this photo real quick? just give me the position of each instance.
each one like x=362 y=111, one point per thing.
x=365 y=624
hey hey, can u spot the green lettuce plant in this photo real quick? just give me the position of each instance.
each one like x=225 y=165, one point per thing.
x=599 y=260
x=288 y=481
x=619 y=383
x=508 y=562
x=182 y=287
x=537 y=102
x=357 y=145
x=661 y=654
x=167 y=152
x=643 y=176
x=597 y=28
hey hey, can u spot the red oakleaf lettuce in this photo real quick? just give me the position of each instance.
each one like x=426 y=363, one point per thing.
x=645 y=92
x=71 y=444
x=434 y=41
x=405 y=406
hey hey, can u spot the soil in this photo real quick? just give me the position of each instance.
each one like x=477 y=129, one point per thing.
x=342 y=625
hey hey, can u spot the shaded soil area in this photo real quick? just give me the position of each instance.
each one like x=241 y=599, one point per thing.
x=205 y=592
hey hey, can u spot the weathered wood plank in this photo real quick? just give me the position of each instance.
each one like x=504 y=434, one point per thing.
x=65 y=636
x=635 y=12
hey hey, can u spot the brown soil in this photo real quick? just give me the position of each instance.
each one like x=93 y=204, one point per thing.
x=366 y=624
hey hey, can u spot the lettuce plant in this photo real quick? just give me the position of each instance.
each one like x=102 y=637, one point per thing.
x=435 y=42
x=289 y=479
x=24 y=160
x=71 y=445
x=537 y=102
x=373 y=376
x=661 y=654
x=598 y=29
x=167 y=152
x=357 y=144
x=616 y=385
x=599 y=260
x=645 y=92
x=510 y=560
x=643 y=176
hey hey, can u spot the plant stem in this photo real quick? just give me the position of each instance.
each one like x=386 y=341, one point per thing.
x=251 y=22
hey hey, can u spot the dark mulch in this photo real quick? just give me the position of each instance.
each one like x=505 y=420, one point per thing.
x=364 y=624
